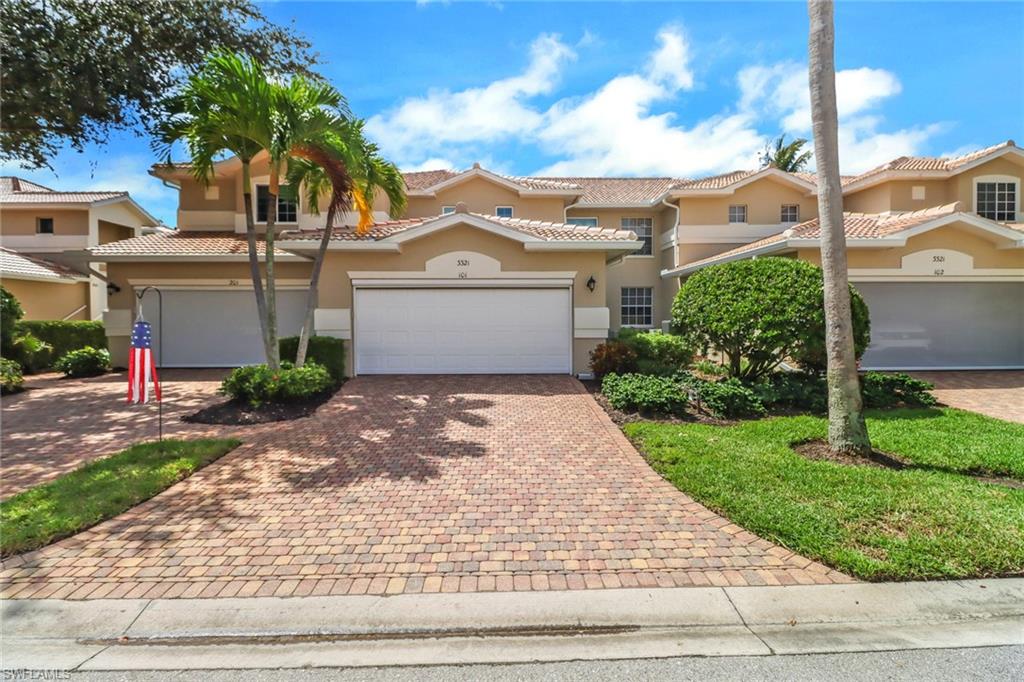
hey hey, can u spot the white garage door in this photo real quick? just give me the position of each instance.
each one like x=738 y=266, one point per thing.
x=217 y=328
x=944 y=325
x=463 y=331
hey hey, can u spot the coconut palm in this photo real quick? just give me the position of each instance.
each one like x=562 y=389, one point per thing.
x=370 y=174
x=786 y=157
x=847 y=432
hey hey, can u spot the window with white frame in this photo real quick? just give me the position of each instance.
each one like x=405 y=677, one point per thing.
x=586 y=222
x=503 y=211
x=997 y=200
x=287 y=204
x=790 y=213
x=447 y=210
x=738 y=213
x=637 y=307
x=644 y=230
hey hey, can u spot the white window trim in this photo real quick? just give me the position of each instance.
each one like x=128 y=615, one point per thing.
x=447 y=210
x=636 y=326
x=597 y=221
x=746 y=214
x=512 y=210
x=265 y=182
x=639 y=255
x=789 y=222
x=996 y=178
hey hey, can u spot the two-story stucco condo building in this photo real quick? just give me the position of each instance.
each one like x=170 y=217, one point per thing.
x=490 y=273
x=39 y=226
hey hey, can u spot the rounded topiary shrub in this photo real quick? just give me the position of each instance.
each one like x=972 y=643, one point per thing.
x=760 y=312
x=84 y=362
x=259 y=384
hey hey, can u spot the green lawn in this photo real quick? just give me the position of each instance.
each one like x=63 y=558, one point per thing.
x=876 y=524
x=100 y=490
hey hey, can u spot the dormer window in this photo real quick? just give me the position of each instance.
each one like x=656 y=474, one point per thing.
x=738 y=214
x=287 y=206
x=996 y=200
x=44 y=225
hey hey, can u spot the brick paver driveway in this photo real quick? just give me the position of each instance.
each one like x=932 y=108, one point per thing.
x=416 y=484
x=998 y=394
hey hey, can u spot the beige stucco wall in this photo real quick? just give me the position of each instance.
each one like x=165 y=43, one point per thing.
x=961 y=187
x=23 y=222
x=482 y=196
x=955 y=237
x=192 y=196
x=763 y=198
x=112 y=232
x=688 y=253
x=49 y=301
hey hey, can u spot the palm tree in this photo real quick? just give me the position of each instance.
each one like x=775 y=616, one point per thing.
x=785 y=157
x=847 y=431
x=370 y=173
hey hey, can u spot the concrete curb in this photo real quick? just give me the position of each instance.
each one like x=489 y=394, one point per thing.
x=508 y=627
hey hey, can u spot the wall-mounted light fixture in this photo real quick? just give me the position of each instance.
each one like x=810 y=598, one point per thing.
x=112 y=289
x=591 y=283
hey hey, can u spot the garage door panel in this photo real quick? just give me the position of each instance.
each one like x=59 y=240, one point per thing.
x=462 y=331
x=944 y=324
x=217 y=328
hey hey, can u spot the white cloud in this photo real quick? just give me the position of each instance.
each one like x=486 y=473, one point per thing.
x=490 y=113
x=622 y=127
x=433 y=163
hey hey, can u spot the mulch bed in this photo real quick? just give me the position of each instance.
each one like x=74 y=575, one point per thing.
x=237 y=413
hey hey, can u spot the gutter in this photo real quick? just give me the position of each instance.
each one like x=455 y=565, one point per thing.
x=675 y=227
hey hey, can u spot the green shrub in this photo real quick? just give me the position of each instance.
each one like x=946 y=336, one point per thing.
x=612 y=357
x=326 y=351
x=84 y=362
x=258 y=384
x=726 y=398
x=32 y=354
x=892 y=390
x=10 y=312
x=710 y=368
x=11 y=380
x=758 y=312
x=795 y=390
x=66 y=335
x=644 y=393
x=656 y=351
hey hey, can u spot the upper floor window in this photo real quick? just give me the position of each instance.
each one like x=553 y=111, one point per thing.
x=503 y=211
x=738 y=214
x=644 y=230
x=636 y=307
x=586 y=222
x=790 y=213
x=44 y=225
x=287 y=205
x=997 y=201
x=447 y=210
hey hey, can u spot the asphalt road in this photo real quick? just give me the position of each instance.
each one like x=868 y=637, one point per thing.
x=990 y=664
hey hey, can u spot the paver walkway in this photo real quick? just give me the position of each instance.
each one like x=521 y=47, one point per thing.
x=998 y=394
x=416 y=484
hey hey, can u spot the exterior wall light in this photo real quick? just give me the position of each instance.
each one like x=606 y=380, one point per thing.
x=591 y=283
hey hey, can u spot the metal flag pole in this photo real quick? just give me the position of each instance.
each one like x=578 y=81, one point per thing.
x=160 y=353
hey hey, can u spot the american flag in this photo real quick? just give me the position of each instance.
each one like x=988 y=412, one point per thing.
x=141 y=368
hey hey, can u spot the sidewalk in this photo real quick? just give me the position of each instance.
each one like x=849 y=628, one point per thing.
x=431 y=629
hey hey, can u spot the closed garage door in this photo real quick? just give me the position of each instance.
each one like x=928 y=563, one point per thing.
x=217 y=328
x=944 y=325
x=462 y=331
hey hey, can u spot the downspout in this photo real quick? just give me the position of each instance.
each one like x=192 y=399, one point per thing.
x=565 y=211
x=675 y=238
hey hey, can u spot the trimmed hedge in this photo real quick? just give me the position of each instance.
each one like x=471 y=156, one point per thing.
x=726 y=398
x=892 y=390
x=656 y=351
x=258 y=384
x=84 y=362
x=65 y=336
x=326 y=351
x=644 y=393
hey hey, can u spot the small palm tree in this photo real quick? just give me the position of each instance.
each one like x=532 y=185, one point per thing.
x=370 y=174
x=786 y=157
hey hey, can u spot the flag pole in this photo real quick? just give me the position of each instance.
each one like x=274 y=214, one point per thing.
x=160 y=354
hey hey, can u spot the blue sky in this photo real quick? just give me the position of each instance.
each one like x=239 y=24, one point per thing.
x=680 y=89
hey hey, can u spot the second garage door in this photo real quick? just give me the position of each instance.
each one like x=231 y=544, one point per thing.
x=463 y=331
x=944 y=325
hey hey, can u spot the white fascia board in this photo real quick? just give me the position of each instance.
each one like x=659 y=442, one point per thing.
x=42 y=278
x=852 y=243
x=762 y=251
x=132 y=203
x=339 y=245
x=213 y=258
x=453 y=219
x=621 y=204
x=571 y=245
x=495 y=178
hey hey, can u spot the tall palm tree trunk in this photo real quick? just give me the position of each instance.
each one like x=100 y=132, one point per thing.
x=314 y=284
x=847 y=432
x=254 y=258
x=273 y=190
